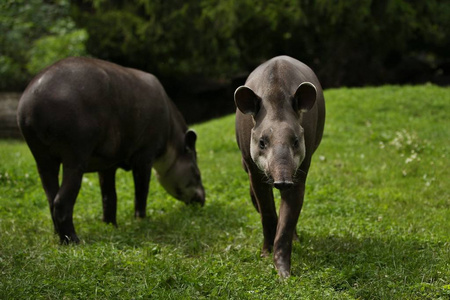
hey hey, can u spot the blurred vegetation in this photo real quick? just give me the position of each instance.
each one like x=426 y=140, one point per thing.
x=352 y=42
x=35 y=33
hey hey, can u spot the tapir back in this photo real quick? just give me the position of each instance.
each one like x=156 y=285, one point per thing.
x=86 y=103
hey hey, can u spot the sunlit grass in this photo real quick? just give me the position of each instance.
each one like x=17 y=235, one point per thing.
x=375 y=223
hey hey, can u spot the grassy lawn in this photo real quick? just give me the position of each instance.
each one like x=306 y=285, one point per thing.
x=375 y=223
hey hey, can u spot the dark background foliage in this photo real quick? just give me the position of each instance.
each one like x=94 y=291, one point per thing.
x=202 y=49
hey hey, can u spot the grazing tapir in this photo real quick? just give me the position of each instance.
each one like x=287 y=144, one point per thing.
x=279 y=124
x=95 y=116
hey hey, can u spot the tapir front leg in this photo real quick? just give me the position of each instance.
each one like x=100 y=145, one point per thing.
x=266 y=206
x=252 y=193
x=107 y=181
x=291 y=205
x=141 y=175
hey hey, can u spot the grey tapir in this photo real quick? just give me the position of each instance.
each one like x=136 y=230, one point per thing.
x=279 y=124
x=95 y=116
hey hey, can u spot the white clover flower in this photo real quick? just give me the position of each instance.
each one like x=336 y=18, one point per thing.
x=412 y=157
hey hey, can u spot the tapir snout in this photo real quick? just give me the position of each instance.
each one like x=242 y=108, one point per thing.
x=282 y=167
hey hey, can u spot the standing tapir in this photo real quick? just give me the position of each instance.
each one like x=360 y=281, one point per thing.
x=279 y=124
x=95 y=116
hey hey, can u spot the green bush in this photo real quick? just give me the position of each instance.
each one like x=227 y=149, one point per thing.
x=34 y=33
x=352 y=42
x=349 y=42
x=50 y=49
x=10 y=72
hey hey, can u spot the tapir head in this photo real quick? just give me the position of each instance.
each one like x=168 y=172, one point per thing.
x=181 y=175
x=277 y=144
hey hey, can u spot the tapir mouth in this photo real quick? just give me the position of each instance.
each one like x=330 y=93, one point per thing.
x=283 y=184
x=199 y=198
x=279 y=183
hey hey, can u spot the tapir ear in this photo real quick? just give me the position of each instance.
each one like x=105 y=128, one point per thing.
x=305 y=97
x=189 y=140
x=246 y=100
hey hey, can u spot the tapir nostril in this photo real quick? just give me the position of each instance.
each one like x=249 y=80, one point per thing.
x=283 y=185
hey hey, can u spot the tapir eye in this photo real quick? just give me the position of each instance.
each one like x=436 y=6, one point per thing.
x=296 y=143
x=262 y=144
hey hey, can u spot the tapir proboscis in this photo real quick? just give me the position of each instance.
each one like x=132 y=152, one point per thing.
x=280 y=119
x=89 y=115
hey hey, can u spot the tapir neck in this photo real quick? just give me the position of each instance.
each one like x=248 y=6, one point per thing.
x=174 y=142
x=165 y=162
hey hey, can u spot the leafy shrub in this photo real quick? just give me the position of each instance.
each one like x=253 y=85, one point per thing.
x=30 y=28
x=352 y=42
x=347 y=42
x=10 y=72
x=50 y=49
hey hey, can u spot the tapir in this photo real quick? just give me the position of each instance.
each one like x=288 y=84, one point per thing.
x=280 y=119
x=90 y=115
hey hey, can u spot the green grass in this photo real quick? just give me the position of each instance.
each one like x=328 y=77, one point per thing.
x=375 y=223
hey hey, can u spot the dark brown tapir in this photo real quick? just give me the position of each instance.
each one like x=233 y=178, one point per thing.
x=279 y=124
x=95 y=116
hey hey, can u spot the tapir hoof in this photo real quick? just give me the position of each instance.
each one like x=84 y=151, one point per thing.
x=265 y=253
x=110 y=221
x=283 y=273
x=283 y=268
x=140 y=214
x=283 y=265
x=69 y=239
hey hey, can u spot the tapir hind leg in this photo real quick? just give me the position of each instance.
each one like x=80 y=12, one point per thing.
x=47 y=165
x=65 y=201
x=107 y=181
x=48 y=169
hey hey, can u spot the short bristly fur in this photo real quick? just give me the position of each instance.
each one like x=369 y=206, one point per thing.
x=279 y=124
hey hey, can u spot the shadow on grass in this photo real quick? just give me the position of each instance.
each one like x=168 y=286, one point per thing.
x=361 y=265
x=190 y=229
x=402 y=264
